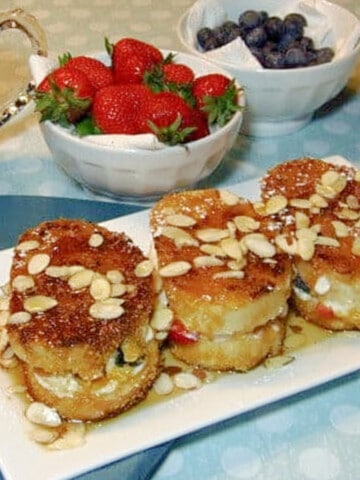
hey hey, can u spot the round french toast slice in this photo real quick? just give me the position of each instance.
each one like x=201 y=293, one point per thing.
x=320 y=222
x=223 y=278
x=80 y=297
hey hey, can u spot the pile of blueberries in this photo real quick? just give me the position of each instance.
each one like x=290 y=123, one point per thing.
x=276 y=43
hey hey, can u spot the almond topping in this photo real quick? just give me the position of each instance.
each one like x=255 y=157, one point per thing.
x=287 y=245
x=81 y=279
x=4 y=303
x=21 y=283
x=164 y=384
x=228 y=198
x=318 y=201
x=115 y=276
x=246 y=224
x=187 y=381
x=41 y=414
x=258 y=244
x=107 y=309
x=38 y=263
x=144 y=269
x=55 y=271
x=211 y=249
x=341 y=229
x=179 y=236
x=39 y=303
x=180 y=220
x=327 y=241
x=175 y=269
x=207 y=261
x=301 y=220
x=117 y=289
x=100 y=288
x=4 y=317
x=347 y=214
x=300 y=203
x=306 y=248
x=355 y=250
x=275 y=204
x=19 y=317
x=229 y=274
x=27 y=245
x=162 y=318
x=352 y=202
x=210 y=235
x=357 y=176
x=232 y=248
x=96 y=240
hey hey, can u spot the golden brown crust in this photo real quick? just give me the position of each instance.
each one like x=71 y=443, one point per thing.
x=239 y=352
x=66 y=338
x=116 y=392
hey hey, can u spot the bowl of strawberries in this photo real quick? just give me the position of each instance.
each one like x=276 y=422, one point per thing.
x=135 y=121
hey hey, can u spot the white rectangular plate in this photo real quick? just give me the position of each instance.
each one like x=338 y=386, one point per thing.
x=154 y=424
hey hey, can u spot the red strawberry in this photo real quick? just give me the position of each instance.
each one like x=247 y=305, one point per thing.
x=116 y=108
x=97 y=72
x=131 y=58
x=177 y=73
x=64 y=96
x=216 y=96
x=178 y=333
x=201 y=126
x=170 y=117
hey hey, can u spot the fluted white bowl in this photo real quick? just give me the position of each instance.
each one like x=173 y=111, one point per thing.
x=283 y=101
x=137 y=173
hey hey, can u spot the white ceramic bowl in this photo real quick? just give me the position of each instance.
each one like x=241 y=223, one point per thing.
x=283 y=101
x=136 y=172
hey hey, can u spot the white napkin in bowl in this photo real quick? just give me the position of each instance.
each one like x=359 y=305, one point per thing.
x=320 y=27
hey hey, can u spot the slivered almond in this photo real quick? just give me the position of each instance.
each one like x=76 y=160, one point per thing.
x=175 y=269
x=287 y=245
x=357 y=176
x=162 y=318
x=117 y=289
x=300 y=203
x=39 y=303
x=180 y=237
x=306 y=233
x=180 y=220
x=236 y=264
x=211 y=249
x=327 y=241
x=96 y=240
x=207 y=261
x=228 y=198
x=259 y=208
x=164 y=384
x=4 y=339
x=258 y=244
x=41 y=414
x=211 y=235
x=4 y=303
x=232 y=229
x=229 y=274
x=352 y=202
x=246 y=224
x=19 y=317
x=81 y=279
x=306 y=248
x=301 y=220
x=27 y=245
x=100 y=288
x=187 y=381
x=232 y=248
x=341 y=229
x=107 y=309
x=4 y=317
x=144 y=269
x=318 y=201
x=21 y=283
x=355 y=250
x=348 y=214
x=115 y=276
x=275 y=204
x=38 y=263
x=57 y=271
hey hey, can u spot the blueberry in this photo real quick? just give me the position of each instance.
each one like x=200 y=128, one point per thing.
x=231 y=30
x=285 y=42
x=269 y=46
x=295 y=57
x=250 y=19
x=220 y=35
x=256 y=37
x=306 y=43
x=210 y=44
x=274 y=60
x=296 y=18
x=293 y=28
x=274 y=27
x=258 y=54
x=203 y=36
x=324 y=55
x=263 y=16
